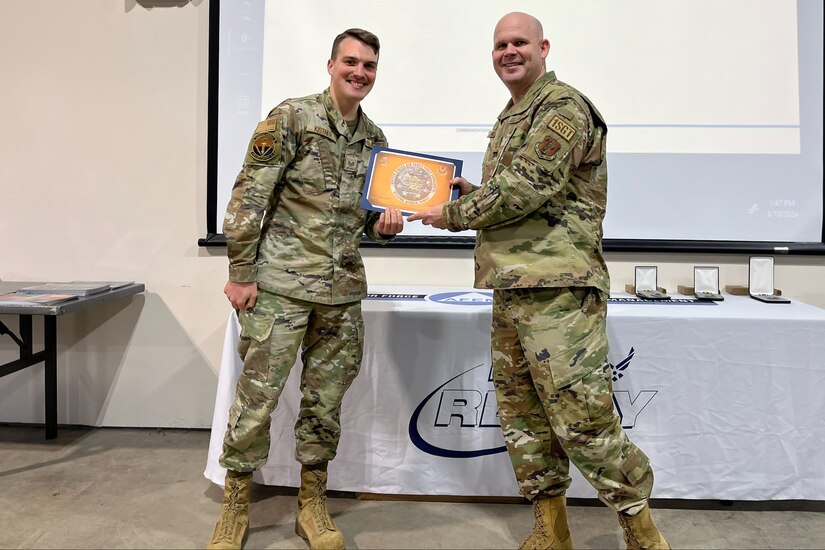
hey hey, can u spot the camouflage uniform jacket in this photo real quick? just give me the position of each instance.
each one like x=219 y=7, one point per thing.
x=543 y=195
x=293 y=223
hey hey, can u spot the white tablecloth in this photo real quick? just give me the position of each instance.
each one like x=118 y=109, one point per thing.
x=726 y=399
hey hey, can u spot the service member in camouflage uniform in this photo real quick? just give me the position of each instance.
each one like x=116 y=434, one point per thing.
x=539 y=213
x=293 y=227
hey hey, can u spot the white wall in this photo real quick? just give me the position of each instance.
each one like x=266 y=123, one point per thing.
x=103 y=176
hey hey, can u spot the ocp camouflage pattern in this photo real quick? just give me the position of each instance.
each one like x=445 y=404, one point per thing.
x=554 y=392
x=293 y=223
x=331 y=339
x=543 y=194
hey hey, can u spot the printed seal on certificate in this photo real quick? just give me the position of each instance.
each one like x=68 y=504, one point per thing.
x=413 y=183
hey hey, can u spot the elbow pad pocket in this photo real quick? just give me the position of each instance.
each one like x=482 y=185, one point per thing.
x=486 y=202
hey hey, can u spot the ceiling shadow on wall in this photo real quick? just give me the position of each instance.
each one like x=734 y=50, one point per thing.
x=129 y=5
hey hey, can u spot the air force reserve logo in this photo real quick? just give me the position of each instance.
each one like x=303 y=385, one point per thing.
x=459 y=418
x=472 y=298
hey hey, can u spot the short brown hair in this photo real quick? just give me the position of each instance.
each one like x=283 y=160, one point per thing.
x=361 y=35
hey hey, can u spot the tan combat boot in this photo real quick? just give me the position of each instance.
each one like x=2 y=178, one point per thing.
x=233 y=524
x=313 y=523
x=640 y=532
x=550 y=529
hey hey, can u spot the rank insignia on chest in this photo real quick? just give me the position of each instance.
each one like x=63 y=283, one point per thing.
x=560 y=126
x=548 y=147
x=263 y=147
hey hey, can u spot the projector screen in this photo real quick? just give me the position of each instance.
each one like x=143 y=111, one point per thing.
x=714 y=109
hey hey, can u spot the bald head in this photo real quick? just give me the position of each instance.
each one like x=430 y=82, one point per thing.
x=519 y=51
x=523 y=21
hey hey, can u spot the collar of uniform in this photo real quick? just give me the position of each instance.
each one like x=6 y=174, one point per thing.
x=360 y=131
x=527 y=100
x=337 y=122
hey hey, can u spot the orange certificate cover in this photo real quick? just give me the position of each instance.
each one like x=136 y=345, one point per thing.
x=411 y=182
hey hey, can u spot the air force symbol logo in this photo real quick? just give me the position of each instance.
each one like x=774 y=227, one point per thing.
x=627 y=406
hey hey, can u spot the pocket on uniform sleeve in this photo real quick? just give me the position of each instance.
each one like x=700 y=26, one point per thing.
x=256 y=325
x=234 y=417
x=635 y=466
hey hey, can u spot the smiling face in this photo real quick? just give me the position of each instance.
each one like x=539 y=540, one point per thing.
x=519 y=51
x=352 y=73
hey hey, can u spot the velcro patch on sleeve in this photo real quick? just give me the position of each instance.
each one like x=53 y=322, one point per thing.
x=561 y=127
x=267 y=125
x=548 y=147
x=264 y=147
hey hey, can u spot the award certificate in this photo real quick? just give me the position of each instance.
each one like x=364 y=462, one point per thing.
x=411 y=182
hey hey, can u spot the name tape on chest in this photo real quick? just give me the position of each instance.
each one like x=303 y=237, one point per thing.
x=326 y=132
x=561 y=127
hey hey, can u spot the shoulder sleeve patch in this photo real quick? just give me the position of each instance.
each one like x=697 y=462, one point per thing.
x=548 y=147
x=264 y=146
x=561 y=127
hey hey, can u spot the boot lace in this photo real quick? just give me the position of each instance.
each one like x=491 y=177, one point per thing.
x=320 y=513
x=538 y=528
x=229 y=518
x=533 y=541
x=633 y=542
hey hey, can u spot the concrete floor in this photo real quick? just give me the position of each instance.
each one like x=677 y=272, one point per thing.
x=142 y=488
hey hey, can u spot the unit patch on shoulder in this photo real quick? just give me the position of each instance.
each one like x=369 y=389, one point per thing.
x=548 y=147
x=559 y=125
x=263 y=147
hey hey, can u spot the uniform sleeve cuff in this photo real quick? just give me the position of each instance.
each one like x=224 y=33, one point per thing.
x=377 y=237
x=243 y=273
x=451 y=216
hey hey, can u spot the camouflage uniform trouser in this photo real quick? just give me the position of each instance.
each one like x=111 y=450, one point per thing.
x=555 y=401
x=331 y=342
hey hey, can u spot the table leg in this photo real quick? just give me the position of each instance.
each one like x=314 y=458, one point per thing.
x=26 y=336
x=50 y=397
